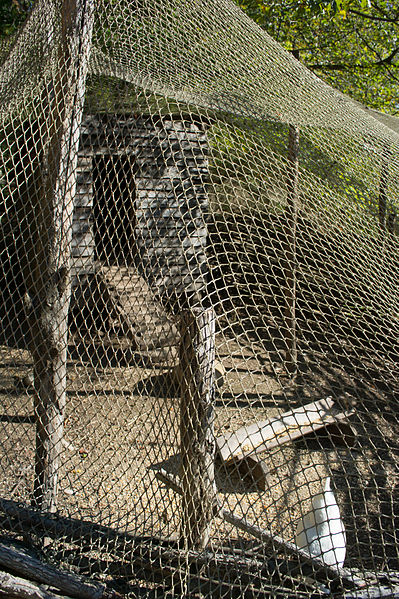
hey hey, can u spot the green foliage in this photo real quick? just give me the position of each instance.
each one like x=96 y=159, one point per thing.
x=352 y=44
x=12 y=14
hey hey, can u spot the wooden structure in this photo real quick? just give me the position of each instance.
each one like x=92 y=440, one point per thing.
x=159 y=561
x=141 y=201
x=139 y=230
x=197 y=440
x=47 y=276
x=242 y=449
x=292 y=425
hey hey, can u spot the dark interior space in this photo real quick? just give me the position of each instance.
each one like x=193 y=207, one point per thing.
x=114 y=208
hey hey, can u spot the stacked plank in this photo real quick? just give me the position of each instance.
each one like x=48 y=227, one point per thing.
x=117 y=299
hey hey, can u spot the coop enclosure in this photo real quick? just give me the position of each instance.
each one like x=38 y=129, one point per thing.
x=199 y=310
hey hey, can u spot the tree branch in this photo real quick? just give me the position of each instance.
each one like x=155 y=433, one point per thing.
x=388 y=59
x=14 y=587
x=353 y=67
x=363 y=15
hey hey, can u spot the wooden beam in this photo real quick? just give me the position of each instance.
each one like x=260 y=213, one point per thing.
x=197 y=441
x=48 y=282
x=264 y=435
x=76 y=531
x=291 y=215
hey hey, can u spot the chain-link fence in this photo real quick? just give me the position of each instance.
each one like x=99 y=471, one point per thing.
x=199 y=312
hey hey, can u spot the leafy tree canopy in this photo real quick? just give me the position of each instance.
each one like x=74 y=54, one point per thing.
x=351 y=44
x=12 y=14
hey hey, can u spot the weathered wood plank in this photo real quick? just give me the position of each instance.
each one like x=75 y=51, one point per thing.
x=260 y=436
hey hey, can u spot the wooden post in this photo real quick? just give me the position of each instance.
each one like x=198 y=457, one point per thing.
x=383 y=191
x=197 y=440
x=290 y=250
x=48 y=281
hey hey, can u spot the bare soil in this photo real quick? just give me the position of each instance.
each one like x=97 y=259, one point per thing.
x=122 y=418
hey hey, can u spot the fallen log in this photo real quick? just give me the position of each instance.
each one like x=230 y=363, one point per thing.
x=14 y=587
x=157 y=563
x=166 y=562
x=28 y=519
x=32 y=568
x=20 y=518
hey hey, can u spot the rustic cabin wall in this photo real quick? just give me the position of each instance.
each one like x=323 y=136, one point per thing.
x=82 y=229
x=169 y=165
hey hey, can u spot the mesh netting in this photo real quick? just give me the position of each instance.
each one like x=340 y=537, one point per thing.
x=199 y=308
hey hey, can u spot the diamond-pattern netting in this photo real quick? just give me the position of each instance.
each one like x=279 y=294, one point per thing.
x=199 y=309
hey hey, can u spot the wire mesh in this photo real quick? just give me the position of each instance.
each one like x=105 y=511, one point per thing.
x=199 y=308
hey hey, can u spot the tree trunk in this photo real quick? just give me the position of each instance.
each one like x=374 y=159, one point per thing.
x=48 y=281
x=30 y=567
x=383 y=191
x=197 y=363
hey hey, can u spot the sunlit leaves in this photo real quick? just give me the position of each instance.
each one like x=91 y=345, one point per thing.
x=351 y=44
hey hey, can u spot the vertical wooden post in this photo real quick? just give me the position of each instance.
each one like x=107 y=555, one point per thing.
x=48 y=282
x=391 y=220
x=291 y=214
x=197 y=440
x=383 y=191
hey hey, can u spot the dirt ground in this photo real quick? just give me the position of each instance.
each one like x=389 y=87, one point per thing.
x=122 y=418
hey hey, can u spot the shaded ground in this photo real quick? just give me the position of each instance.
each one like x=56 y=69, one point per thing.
x=122 y=418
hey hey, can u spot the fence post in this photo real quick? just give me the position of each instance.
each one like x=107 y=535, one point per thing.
x=48 y=283
x=383 y=190
x=197 y=439
x=291 y=214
